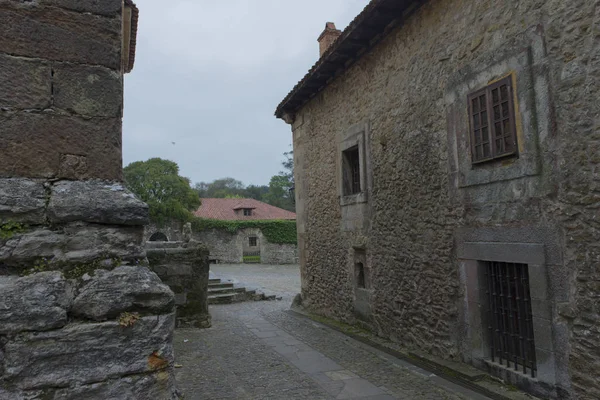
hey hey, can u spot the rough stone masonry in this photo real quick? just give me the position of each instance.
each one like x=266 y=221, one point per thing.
x=408 y=253
x=81 y=317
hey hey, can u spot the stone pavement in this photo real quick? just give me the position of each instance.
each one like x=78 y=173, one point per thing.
x=260 y=350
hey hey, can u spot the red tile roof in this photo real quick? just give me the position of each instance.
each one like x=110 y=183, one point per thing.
x=224 y=209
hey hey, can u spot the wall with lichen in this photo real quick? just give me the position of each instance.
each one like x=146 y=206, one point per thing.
x=423 y=209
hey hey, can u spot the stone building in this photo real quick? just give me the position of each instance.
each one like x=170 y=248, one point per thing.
x=247 y=244
x=447 y=177
x=80 y=316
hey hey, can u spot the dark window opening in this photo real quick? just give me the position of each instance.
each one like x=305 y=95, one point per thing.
x=360 y=275
x=510 y=318
x=492 y=122
x=158 y=237
x=252 y=240
x=247 y=212
x=351 y=171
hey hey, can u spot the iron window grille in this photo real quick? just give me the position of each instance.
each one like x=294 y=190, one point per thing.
x=492 y=122
x=351 y=171
x=510 y=321
x=252 y=241
x=247 y=212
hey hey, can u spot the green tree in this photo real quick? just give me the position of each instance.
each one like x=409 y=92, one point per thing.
x=220 y=188
x=279 y=194
x=158 y=183
x=257 y=192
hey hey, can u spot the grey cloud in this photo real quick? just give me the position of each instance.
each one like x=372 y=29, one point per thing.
x=209 y=75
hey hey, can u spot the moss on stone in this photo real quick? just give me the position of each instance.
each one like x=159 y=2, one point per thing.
x=72 y=270
x=10 y=228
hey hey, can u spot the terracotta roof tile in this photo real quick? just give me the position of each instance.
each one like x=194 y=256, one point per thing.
x=224 y=209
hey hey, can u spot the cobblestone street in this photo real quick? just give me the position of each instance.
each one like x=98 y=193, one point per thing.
x=260 y=350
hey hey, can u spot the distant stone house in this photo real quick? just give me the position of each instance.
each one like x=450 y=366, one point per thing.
x=447 y=173
x=245 y=245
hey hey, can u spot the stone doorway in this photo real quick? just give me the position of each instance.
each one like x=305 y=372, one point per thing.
x=251 y=250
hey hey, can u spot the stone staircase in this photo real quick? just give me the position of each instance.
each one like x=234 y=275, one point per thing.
x=225 y=292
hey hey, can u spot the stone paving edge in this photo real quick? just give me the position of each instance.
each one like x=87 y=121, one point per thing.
x=485 y=386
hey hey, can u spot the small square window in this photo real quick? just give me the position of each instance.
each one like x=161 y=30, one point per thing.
x=247 y=212
x=492 y=122
x=351 y=171
x=252 y=240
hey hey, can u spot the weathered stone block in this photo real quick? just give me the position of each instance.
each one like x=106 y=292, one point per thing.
x=109 y=293
x=88 y=242
x=88 y=90
x=24 y=83
x=95 y=201
x=56 y=34
x=72 y=167
x=78 y=243
x=38 y=302
x=31 y=246
x=185 y=270
x=155 y=386
x=102 y=7
x=39 y=140
x=22 y=200
x=89 y=353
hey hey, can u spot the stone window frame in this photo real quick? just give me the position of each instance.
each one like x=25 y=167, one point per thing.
x=520 y=57
x=355 y=136
x=252 y=241
x=472 y=262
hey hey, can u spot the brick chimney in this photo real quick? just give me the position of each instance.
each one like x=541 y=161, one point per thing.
x=326 y=39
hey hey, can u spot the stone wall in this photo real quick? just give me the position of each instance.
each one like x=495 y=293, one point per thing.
x=415 y=224
x=227 y=248
x=80 y=314
x=185 y=270
x=60 y=73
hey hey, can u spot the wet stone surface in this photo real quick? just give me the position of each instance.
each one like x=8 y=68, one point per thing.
x=258 y=350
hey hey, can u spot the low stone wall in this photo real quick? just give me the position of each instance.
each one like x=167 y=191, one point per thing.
x=228 y=248
x=185 y=270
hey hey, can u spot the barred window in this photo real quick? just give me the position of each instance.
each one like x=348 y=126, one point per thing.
x=252 y=241
x=510 y=320
x=492 y=122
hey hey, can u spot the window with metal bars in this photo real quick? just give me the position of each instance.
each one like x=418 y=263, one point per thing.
x=252 y=241
x=510 y=321
x=351 y=171
x=492 y=122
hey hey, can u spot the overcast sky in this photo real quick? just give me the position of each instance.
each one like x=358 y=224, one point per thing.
x=208 y=76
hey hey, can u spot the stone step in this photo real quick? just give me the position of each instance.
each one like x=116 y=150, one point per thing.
x=221 y=298
x=214 y=280
x=220 y=285
x=226 y=290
